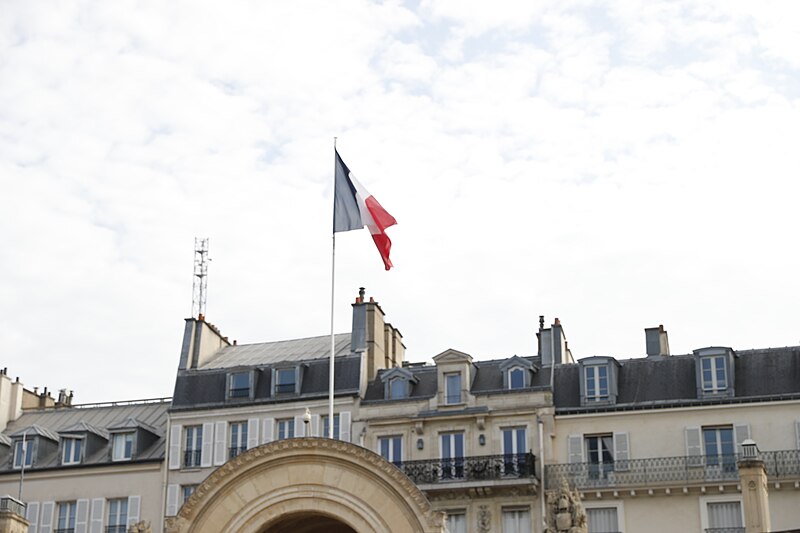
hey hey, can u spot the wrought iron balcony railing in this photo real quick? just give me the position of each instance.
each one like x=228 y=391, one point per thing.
x=191 y=458
x=12 y=505
x=481 y=468
x=116 y=529
x=725 y=530
x=668 y=470
x=233 y=451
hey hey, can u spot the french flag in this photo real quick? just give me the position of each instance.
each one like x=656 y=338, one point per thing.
x=354 y=208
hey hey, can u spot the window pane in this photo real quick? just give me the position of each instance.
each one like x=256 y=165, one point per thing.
x=602 y=520
x=724 y=514
x=453 y=385
x=397 y=389
x=456 y=523
x=517 y=378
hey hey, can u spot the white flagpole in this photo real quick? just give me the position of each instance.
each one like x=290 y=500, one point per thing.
x=22 y=468
x=333 y=279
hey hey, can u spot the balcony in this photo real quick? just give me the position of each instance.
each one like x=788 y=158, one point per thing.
x=12 y=505
x=469 y=469
x=116 y=529
x=668 y=471
x=732 y=529
x=233 y=451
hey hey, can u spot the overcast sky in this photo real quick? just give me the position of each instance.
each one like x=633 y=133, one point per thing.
x=617 y=164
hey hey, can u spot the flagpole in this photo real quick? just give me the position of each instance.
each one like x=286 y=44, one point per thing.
x=333 y=286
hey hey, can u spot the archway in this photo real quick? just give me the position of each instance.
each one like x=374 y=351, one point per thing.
x=300 y=483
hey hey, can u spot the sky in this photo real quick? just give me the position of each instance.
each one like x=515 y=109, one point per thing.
x=618 y=165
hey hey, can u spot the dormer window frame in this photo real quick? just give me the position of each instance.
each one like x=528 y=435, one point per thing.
x=598 y=380
x=233 y=389
x=453 y=397
x=517 y=366
x=517 y=370
x=126 y=455
x=30 y=452
x=715 y=372
x=72 y=450
x=281 y=389
x=398 y=383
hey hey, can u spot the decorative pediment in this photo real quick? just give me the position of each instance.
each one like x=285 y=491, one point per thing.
x=398 y=372
x=452 y=356
x=517 y=361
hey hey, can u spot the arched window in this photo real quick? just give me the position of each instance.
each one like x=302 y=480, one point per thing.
x=516 y=378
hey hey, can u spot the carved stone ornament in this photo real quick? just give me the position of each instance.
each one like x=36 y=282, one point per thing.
x=565 y=512
x=484 y=519
x=140 y=527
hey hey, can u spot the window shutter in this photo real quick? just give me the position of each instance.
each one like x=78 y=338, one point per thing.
x=252 y=433
x=299 y=427
x=315 y=426
x=172 y=499
x=32 y=516
x=741 y=432
x=797 y=432
x=220 y=442
x=208 y=444
x=175 y=434
x=694 y=447
x=344 y=426
x=96 y=522
x=269 y=429
x=81 y=516
x=575 y=448
x=46 y=521
x=134 y=502
x=621 y=451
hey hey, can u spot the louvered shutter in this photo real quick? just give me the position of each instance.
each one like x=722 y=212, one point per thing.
x=175 y=434
x=32 y=516
x=173 y=492
x=741 y=432
x=315 y=426
x=621 y=451
x=575 y=448
x=98 y=510
x=46 y=521
x=344 y=426
x=797 y=432
x=81 y=516
x=220 y=443
x=134 y=502
x=694 y=447
x=252 y=433
x=208 y=444
x=299 y=427
x=269 y=430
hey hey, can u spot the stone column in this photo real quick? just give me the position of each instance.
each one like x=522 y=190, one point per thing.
x=755 y=498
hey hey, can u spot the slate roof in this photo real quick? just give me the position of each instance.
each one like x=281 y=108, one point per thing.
x=96 y=419
x=671 y=381
x=267 y=353
x=83 y=427
x=206 y=388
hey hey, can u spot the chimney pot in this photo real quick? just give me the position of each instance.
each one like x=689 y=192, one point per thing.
x=541 y=322
x=361 y=293
x=556 y=322
x=371 y=300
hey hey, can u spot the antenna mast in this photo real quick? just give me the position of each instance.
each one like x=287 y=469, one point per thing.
x=200 y=281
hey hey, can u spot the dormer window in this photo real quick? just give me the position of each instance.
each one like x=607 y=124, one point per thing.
x=23 y=451
x=516 y=378
x=240 y=385
x=122 y=447
x=397 y=383
x=598 y=380
x=517 y=373
x=285 y=380
x=71 y=449
x=714 y=371
x=452 y=383
x=596 y=383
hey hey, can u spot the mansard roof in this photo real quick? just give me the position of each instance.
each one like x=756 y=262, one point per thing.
x=267 y=353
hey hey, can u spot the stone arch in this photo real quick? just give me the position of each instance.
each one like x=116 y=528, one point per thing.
x=293 y=480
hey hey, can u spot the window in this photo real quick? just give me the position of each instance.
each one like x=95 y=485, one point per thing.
x=391 y=449
x=602 y=520
x=724 y=516
x=193 y=449
x=452 y=383
x=516 y=378
x=516 y=520
x=713 y=371
x=456 y=522
x=285 y=380
x=20 y=453
x=599 y=455
x=66 y=518
x=187 y=490
x=117 y=516
x=286 y=428
x=719 y=447
x=326 y=426
x=398 y=389
x=71 y=451
x=452 y=455
x=596 y=382
x=239 y=385
x=238 y=439
x=122 y=447
x=515 y=460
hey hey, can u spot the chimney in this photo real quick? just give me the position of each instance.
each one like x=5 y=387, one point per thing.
x=656 y=341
